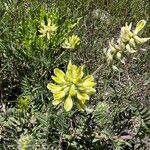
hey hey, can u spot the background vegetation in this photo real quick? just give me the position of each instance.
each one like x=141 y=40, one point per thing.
x=117 y=116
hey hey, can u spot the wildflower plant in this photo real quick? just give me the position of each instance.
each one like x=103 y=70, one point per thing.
x=44 y=34
x=71 y=42
x=114 y=52
x=131 y=38
x=117 y=117
x=71 y=87
x=47 y=30
x=128 y=42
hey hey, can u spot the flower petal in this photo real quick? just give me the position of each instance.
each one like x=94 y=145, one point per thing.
x=59 y=73
x=130 y=49
x=118 y=55
x=68 y=103
x=58 y=80
x=139 y=40
x=49 y=22
x=80 y=71
x=54 y=88
x=130 y=26
x=74 y=71
x=72 y=90
x=43 y=31
x=88 y=78
x=112 y=47
x=82 y=97
x=90 y=91
x=139 y=26
x=88 y=81
x=127 y=31
x=48 y=35
x=57 y=101
x=132 y=42
x=59 y=95
x=69 y=67
x=109 y=57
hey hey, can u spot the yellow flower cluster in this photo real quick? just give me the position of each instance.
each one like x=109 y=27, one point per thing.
x=47 y=30
x=71 y=87
x=128 y=41
x=71 y=42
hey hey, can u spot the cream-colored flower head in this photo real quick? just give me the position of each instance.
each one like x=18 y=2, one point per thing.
x=114 y=52
x=47 y=30
x=131 y=38
x=128 y=42
x=71 y=42
x=71 y=87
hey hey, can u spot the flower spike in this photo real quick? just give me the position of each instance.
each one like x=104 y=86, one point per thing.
x=71 y=87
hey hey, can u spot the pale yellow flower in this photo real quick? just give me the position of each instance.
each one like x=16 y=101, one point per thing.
x=71 y=87
x=71 y=42
x=114 y=51
x=128 y=41
x=130 y=37
x=47 y=30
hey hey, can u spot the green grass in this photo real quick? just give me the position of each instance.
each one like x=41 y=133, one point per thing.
x=118 y=115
